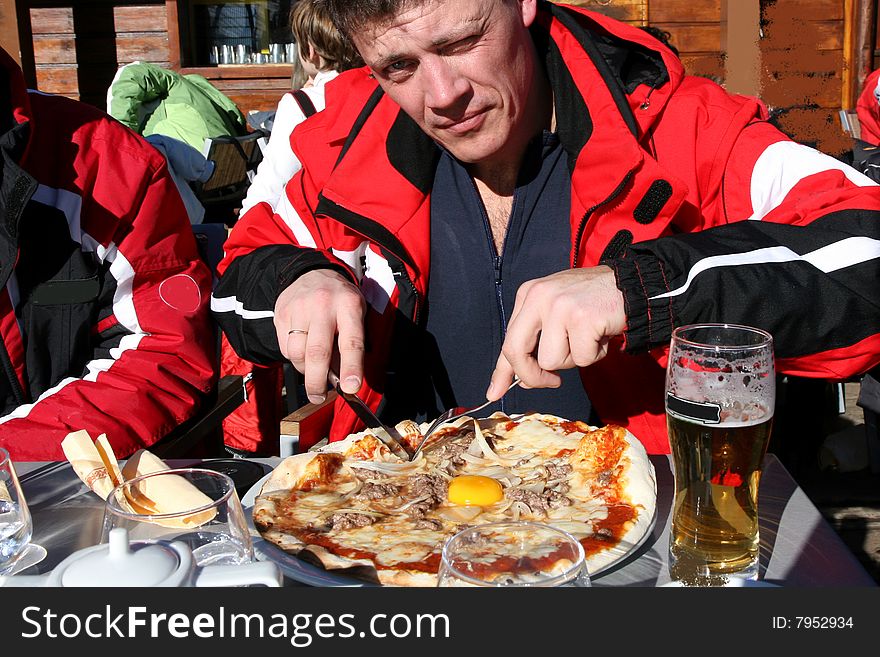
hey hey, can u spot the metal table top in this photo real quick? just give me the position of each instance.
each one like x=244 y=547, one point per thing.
x=798 y=547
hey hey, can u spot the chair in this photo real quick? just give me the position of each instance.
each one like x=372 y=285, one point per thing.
x=306 y=426
x=849 y=121
x=202 y=435
x=235 y=164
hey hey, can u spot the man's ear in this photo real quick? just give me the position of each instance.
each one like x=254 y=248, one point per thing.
x=529 y=9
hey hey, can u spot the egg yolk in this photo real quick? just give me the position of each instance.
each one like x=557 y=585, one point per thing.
x=474 y=490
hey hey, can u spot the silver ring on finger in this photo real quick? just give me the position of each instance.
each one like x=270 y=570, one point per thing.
x=297 y=332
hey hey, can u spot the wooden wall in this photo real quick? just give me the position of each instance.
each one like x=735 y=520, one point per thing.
x=802 y=61
x=78 y=48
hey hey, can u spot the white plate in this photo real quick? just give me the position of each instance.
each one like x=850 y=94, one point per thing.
x=307 y=573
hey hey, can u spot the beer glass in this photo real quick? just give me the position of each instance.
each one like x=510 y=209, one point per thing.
x=720 y=397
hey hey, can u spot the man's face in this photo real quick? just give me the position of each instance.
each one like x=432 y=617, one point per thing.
x=462 y=69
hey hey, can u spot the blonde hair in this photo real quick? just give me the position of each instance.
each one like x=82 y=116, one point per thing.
x=311 y=25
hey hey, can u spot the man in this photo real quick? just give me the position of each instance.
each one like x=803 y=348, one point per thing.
x=498 y=185
x=104 y=323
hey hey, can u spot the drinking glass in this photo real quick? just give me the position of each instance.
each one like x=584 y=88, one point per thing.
x=16 y=526
x=513 y=554
x=720 y=397
x=199 y=507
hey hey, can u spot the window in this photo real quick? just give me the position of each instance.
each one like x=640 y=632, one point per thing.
x=235 y=31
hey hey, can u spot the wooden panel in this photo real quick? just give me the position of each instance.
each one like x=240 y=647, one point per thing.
x=142 y=47
x=705 y=65
x=794 y=79
x=623 y=10
x=256 y=100
x=55 y=50
x=52 y=21
x=141 y=18
x=808 y=10
x=60 y=79
x=693 y=37
x=819 y=128
x=684 y=11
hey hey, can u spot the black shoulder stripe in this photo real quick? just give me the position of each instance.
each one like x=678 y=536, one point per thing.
x=366 y=227
x=370 y=105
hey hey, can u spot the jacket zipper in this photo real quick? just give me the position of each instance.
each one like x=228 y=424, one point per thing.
x=398 y=272
x=497 y=262
x=583 y=223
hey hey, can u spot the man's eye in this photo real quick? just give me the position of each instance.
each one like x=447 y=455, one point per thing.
x=398 y=66
x=398 y=69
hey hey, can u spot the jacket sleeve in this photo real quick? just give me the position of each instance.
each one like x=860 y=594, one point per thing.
x=266 y=251
x=803 y=265
x=153 y=351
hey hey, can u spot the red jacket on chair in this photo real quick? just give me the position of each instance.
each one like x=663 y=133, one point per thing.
x=104 y=321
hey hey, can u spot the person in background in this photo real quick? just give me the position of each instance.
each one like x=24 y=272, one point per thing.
x=530 y=188
x=323 y=53
x=104 y=322
x=866 y=158
x=866 y=149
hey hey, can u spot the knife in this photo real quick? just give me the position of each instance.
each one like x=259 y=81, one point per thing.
x=396 y=443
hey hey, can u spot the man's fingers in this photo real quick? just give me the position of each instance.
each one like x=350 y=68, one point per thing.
x=520 y=350
x=319 y=350
x=501 y=379
x=351 y=345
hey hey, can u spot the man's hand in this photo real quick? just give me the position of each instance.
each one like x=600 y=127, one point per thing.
x=319 y=313
x=560 y=321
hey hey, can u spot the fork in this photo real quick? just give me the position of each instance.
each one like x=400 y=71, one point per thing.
x=451 y=415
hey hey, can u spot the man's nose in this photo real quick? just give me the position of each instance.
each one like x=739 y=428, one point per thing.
x=444 y=84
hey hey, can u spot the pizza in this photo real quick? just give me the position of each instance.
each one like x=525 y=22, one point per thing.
x=353 y=504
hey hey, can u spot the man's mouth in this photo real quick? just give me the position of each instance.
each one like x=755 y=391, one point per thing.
x=470 y=122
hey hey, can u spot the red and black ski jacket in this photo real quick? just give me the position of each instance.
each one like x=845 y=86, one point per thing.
x=104 y=321
x=656 y=158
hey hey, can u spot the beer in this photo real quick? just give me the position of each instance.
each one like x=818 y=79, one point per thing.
x=715 y=509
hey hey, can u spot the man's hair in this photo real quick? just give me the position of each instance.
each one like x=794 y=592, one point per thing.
x=310 y=23
x=352 y=15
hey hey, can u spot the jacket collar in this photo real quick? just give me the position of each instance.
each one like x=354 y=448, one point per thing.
x=610 y=82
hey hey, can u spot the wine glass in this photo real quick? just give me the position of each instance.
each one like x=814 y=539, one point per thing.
x=16 y=525
x=513 y=554
x=197 y=506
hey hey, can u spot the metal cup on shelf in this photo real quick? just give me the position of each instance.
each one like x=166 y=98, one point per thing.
x=290 y=53
x=276 y=53
x=214 y=56
x=227 y=54
x=242 y=54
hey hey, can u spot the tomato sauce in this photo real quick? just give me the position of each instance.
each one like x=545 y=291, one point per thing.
x=618 y=516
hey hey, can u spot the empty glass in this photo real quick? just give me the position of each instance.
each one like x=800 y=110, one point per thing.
x=518 y=554
x=15 y=519
x=199 y=507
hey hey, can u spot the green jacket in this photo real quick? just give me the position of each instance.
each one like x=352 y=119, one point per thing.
x=152 y=100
